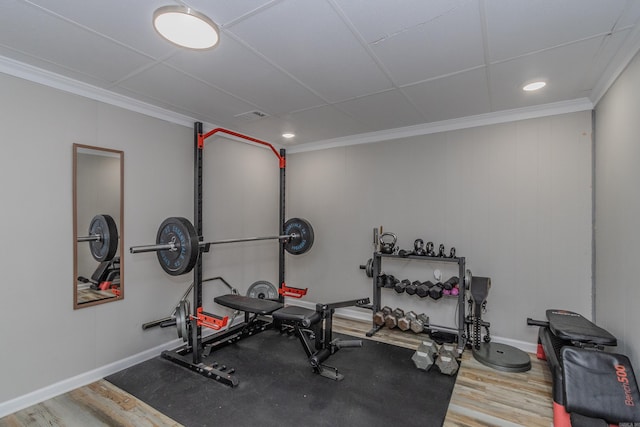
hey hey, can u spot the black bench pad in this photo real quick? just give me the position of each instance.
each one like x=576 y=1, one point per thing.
x=293 y=313
x=600 y=385
x=574 y=327
x=248 y=304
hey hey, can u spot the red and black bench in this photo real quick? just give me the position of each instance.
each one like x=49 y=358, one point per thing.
x=591 y=386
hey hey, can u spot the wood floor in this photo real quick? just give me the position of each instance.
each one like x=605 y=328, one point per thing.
x=481 y=397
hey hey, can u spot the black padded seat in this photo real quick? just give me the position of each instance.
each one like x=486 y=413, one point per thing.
x=599 y=384
x=572 y=326
x=292 y=313
x=248 y=304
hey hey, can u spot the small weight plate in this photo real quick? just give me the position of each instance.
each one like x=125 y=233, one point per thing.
x=105 y=248
x=182 y=326
x=182 y=234
x=262 y=290
x=369 y=268
x=303 y=236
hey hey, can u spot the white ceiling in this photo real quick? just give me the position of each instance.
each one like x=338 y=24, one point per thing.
x=329 y=69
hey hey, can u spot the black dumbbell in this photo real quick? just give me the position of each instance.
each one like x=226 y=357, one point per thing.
x=423 y=289
x=400 y=286
x=405 y=253
x=430 y=249
x=412 y=288
x=390 y=281
x=380 y=280
x=450 y=283
x=436 y=291
x=418 y=247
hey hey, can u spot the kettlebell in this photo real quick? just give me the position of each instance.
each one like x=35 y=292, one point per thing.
x=388 y=246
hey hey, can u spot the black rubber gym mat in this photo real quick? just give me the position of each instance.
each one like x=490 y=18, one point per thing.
x=276 y=387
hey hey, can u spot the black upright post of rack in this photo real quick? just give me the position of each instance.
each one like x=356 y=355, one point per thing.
x=283 y=174
x=196 y=330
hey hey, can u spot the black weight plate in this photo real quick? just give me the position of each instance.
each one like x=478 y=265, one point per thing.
x=262 y=290
x=303 y=239
x=181 y=232
x=105 y=248
x=182 y=325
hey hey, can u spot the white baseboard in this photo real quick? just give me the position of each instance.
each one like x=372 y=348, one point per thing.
x=53 y=390
x=358 y=314
x=64 y=386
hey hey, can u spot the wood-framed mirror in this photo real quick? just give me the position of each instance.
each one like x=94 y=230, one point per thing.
x=98 y=227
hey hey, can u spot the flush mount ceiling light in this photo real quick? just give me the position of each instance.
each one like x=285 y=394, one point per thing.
x=534 y=86
x=186 y=27
x=288 y=135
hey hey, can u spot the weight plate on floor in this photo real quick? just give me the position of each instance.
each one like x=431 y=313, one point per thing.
x=302 y=239
x=105 y=248
x=262 y=290
x=182 y=325
x=182 y=234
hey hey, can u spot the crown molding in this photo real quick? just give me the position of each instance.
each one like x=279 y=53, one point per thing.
x=66 y=84
x=563 y=107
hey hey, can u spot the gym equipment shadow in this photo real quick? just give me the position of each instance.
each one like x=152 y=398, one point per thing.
x=277 y=387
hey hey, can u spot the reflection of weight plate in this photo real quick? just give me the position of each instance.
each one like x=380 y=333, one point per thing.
x=105 y=248
x=303 y=236
x=262 y=290
x=181 y=233
x=182 y=314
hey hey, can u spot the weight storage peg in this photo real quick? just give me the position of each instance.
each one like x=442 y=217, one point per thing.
x=178 y=247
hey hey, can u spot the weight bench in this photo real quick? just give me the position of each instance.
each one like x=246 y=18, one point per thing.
x=591 y=387
x=308 y=325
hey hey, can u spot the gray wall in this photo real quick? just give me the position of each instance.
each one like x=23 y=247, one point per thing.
x=514 y=199
x=45 y=341
x=618 y=210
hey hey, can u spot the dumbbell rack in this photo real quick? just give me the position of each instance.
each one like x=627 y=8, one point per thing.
x=459 y=330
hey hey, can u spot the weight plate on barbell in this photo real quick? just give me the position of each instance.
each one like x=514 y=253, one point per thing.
x=182 y=314
x=303 y=236
x=180 y=232
x=105 y=248
x=262 y=290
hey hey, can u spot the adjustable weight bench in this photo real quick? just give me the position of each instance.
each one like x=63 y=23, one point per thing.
x=306 y=323
x=591 y=387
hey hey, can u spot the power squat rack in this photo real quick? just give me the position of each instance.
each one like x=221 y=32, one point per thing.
x=191 y=354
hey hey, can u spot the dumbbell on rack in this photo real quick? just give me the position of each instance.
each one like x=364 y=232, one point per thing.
x=391 y=320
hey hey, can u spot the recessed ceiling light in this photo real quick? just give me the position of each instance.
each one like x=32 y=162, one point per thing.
x=534 y=86
x=288 y=135
x=185 y=27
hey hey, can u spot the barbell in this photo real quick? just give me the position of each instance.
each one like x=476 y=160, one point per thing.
x=102 y=238
x=177 y=245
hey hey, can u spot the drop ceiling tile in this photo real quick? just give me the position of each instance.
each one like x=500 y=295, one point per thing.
x=456 y=96
x=133 y=28
x=564 y=69
x=516 y=27
x=323 y=123
x=448 y=43
x=386 y=110
x=237 y=70
x=224 y=11
x=378 y=19
x=164 y=84
x=315 y=46
x=68 y=46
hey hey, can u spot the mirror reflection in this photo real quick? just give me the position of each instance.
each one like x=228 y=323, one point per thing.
x=97 y=209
